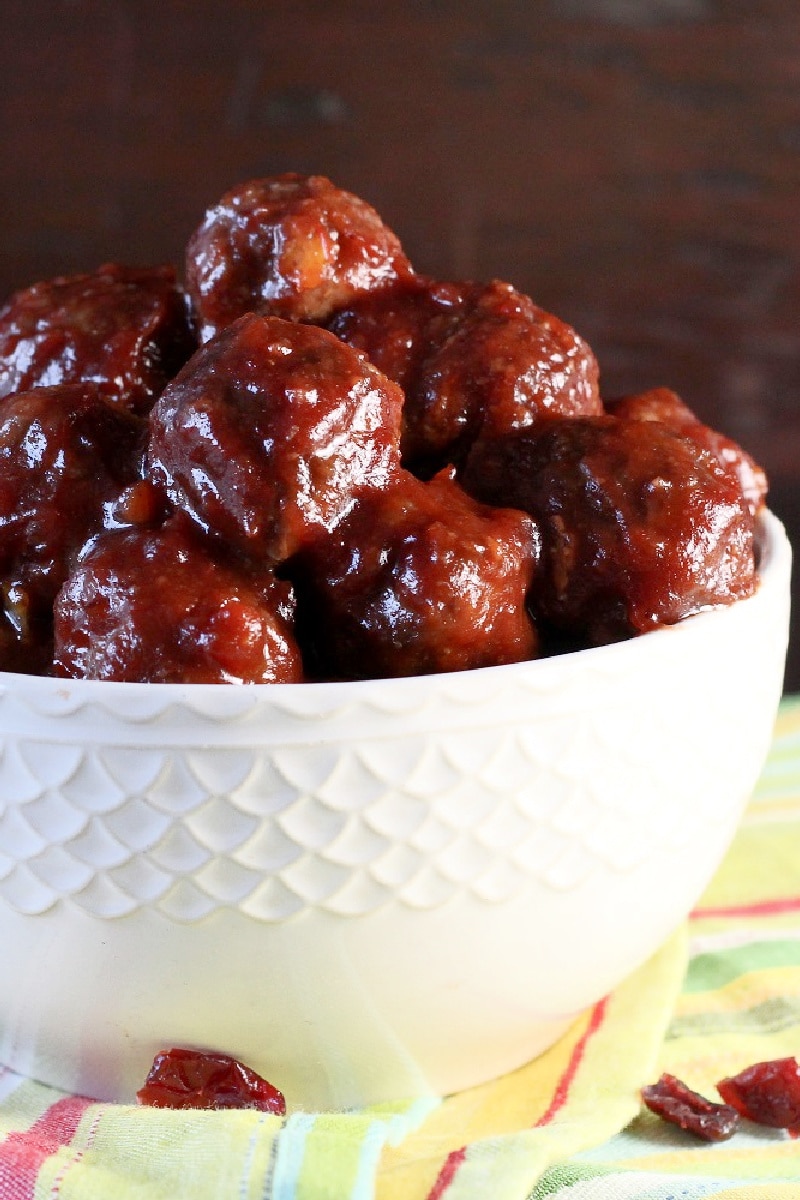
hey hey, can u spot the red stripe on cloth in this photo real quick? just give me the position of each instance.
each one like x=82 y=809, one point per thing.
x=561 y=1092
x=55 y=1190
x=761 y=908
x=560 y=1096
x=447 y=1173
x=24 y=1152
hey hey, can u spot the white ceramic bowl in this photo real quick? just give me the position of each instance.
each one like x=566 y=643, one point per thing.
x=372 y=889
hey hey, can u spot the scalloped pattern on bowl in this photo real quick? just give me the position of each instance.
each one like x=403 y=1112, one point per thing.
x=357 y=855
x=272 y=831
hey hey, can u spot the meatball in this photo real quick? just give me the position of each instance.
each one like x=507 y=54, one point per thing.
x=661 y=404
x=420 y=578
x=640 y=526
x=292 y=246
x=474 y=361
x=123 y=328
x=399 y=327
x=164 y=605
x=270 y=432
x=66 y=453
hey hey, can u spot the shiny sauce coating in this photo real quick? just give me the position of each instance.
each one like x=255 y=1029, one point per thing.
x=317 y=463
x=640 y=527
x=420 y=578
x=66 y=453
x=270 y=431
x=473 y=360
x=165 y=605
x=122 y=328
x=289 y=246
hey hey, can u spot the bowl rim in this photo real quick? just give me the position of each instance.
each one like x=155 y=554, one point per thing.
x=773 y=557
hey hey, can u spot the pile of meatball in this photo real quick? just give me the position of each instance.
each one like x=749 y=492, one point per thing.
x=306 y=461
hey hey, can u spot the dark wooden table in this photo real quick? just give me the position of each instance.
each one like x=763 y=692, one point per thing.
x=633 y=164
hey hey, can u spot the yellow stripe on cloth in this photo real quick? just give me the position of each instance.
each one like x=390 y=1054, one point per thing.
x=759 y=873
x=576 y=1105
x=582 y=1090
x=129 y=1153
x=577 y=1094
x=740 y=1004
x=56 y=1176
x=732 y=1160
x=24 y=1106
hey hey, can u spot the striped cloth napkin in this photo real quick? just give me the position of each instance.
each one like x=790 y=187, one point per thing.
x=568 y=1125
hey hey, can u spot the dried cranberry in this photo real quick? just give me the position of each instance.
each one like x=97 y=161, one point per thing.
x=767 y=1093
x=671 y=1099
x=195 y=1079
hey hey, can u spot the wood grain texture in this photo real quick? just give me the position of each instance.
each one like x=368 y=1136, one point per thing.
x=633 y=164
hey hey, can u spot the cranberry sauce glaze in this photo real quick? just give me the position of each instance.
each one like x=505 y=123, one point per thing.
x=312 y=462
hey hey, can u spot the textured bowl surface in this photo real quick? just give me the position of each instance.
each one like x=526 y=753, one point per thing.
x=372 y=889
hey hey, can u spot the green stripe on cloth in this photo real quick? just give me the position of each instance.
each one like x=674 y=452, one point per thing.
x=639 y=1186
x=775 y=1015
x=646 y=1185
x=565 y=1175
x=709 y=972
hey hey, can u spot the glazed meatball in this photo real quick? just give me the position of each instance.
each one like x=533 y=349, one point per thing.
x=291 y=246
x=420 y=578
x=640 y=526
x=661 y=404
x=270 y=432
x=164 y=605
x=399 y=327
x=66 y=452
x=123 y=328
x=474 y=361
